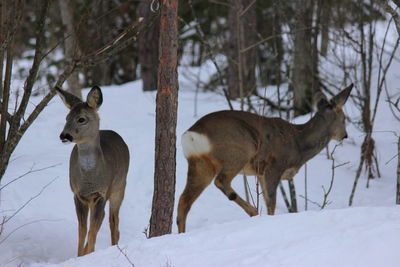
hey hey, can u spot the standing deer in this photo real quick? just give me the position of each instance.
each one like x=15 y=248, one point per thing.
x=98 y=167
x=225 y=143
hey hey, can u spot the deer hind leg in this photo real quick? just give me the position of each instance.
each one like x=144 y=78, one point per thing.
x=200 y=174
x=115 y=204
x=82 y=210
x=96 y=218
x=223 y=182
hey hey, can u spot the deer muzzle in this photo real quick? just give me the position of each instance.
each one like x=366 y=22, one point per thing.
x=65 y=137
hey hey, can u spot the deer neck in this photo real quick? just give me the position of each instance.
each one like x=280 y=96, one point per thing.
x=90 y=154
x=313 y=136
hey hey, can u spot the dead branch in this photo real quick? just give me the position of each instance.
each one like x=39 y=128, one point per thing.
x=31 y=170
x=325 y=201
x=126 y=256
x=27 y=202
x=207 y=45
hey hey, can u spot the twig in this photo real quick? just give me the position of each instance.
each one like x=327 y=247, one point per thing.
x=27 y=202
x=19 y=227
x=333 y=167
x=27 y=173
x=126 y=256
x=209 y=50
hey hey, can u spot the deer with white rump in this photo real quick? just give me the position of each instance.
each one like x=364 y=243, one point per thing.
x=223 y=144
x=98 y=167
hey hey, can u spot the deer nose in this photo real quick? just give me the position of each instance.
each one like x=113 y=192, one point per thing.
x=345 y=136
x=65 y=137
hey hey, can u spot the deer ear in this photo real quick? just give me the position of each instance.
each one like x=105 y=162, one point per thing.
x=95 y=97
x=323 y=104
x=69 y=99
x=341 y=98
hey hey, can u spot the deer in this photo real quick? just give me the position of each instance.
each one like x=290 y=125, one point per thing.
x=222 y=144
x=98 y=167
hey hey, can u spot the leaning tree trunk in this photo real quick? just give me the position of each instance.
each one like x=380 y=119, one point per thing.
x=303 y=78
x=243 y=31
x=148 y=47
x=166 y=115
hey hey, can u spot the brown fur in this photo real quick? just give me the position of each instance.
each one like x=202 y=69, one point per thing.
x=270 y=148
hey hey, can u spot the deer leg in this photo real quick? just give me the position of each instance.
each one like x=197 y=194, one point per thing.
x=115 y=204
x=96 y=218
x=82 y=210
x=200 y=174
x=270 y=184
x=223 y=182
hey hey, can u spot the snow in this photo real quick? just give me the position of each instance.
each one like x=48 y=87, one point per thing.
x=219 y=233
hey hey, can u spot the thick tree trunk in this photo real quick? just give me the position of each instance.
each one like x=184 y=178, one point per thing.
x=70 y=45
x=148 y=47
x=242 y=25
x=166 y=115
x=304 y=72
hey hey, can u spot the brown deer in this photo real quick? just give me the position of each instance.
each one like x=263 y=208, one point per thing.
x=225 y=143
x=98 y=167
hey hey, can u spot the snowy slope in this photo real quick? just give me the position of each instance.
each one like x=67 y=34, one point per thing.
x=219 y=233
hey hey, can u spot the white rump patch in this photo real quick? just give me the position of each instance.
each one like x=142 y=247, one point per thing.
x=195 y=144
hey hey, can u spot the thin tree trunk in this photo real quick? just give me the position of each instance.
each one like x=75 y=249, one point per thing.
x=166 y=116
x=148 y=47
x=70 y=45
x=242 y=27
x=3 y=30
x=398 y=172
x=302 y=79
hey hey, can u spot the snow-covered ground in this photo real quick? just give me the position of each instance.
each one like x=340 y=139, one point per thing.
x=219 y=233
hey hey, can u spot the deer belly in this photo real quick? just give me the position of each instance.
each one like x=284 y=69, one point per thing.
x=289 y=173
x=248 y=169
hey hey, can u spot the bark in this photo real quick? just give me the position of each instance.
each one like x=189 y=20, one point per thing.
x=70 y=46
x=148 y=47
x=166 y=116
x=3 y=27
x=303 y=78
x=398 y=172
x=242 y=28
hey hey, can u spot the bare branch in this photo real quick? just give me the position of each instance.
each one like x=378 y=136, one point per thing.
x=27 y=173
x=126 y=256
x=27 y=202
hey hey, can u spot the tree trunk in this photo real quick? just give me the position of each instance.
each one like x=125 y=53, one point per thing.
x=304 y=73
x=166 y=116
x=398 y=173
x=242 y=25
x=148 y=47
x=70 y=45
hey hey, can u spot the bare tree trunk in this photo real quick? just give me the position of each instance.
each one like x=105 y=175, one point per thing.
x=70 y=45
x=3 y=8
x=303 y=65
x=148 y=47
x=398 y=172
x=243 y=29
x=166 y=115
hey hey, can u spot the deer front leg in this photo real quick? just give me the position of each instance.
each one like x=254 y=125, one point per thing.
x=81 y=209
x=270 y=184
x=96 y=218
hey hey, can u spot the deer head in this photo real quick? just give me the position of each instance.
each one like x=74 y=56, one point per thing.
x=83 y=120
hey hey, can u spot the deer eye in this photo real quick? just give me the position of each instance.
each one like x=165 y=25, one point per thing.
x=81 y=120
